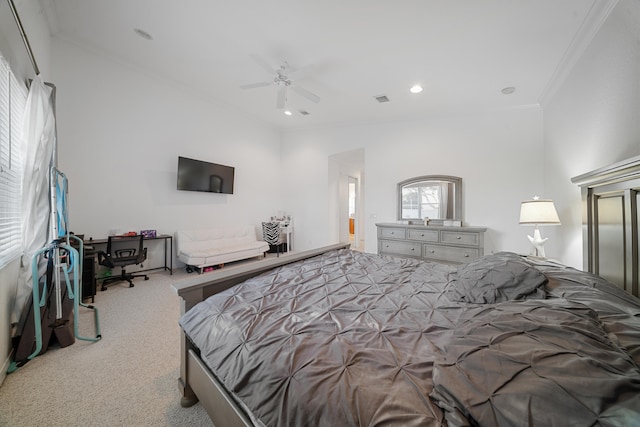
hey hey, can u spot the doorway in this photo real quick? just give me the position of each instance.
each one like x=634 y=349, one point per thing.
x=346 y=200
x=354 y=238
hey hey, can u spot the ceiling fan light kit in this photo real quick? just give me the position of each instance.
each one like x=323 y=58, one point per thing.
x=282 y=81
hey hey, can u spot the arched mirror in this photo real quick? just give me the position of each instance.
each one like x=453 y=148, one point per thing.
x=437 y=197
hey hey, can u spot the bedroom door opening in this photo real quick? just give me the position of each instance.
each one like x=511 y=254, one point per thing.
x=346 y=200
x=354 y=237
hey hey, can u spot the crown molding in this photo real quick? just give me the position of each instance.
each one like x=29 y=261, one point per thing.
x=593 y=21
x=624 y=170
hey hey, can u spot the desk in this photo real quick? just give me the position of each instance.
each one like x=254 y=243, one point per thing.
x=166 y=238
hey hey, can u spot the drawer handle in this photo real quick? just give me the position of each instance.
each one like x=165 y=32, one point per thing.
x=466 y=255
x=421 y=234
x=413 y=249
x=458 y=237
x=432 y=251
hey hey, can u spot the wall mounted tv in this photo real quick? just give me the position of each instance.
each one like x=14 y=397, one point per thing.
x=197 y=175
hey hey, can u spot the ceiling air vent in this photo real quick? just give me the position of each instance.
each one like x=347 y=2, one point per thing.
x=381 y=98
x=304 y=112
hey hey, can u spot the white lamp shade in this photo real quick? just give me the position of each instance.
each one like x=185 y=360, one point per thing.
x=538 y=212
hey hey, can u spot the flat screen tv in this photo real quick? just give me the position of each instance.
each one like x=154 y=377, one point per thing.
x=197 y=175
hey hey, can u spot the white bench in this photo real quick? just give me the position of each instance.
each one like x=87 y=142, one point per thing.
x=215 y=246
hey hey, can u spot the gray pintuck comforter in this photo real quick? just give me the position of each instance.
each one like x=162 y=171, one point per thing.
x=353 y=339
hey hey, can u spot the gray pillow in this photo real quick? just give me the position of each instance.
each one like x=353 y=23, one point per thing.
x=503 y=276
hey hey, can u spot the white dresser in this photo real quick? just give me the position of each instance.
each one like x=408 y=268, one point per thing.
x=433 y=243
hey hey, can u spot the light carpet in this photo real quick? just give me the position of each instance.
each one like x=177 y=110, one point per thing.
x=129 y=378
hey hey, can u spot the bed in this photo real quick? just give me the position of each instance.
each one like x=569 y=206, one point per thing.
x=334 y=337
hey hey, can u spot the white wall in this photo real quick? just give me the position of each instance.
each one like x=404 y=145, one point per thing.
x=593 y=120
x=120 y=134
x=498 y=154
x=12 y=46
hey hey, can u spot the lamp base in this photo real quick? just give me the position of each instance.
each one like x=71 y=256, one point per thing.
x=537 y=244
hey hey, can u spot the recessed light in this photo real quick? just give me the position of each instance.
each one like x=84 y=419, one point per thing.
x=415 y=89
x=142 y=34
x=508 y=90
x=287 y=112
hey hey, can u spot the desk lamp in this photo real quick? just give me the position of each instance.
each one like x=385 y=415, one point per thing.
x=538 y=212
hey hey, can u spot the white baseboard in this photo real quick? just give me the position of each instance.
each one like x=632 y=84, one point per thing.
x=5 y=366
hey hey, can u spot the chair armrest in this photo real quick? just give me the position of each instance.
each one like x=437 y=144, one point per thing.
x=104 y=259
x=142 y=256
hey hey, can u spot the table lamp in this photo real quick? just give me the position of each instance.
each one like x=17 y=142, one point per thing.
x=538 y=212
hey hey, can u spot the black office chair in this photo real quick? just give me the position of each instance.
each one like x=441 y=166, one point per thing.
x=272 y=235
x=122 y=251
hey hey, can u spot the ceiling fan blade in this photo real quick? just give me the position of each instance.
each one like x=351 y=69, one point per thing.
x=255 y=85
x=304 y=92
x=282 y=97
x=263 y=63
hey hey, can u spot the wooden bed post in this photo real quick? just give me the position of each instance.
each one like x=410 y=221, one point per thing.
x=189 y=398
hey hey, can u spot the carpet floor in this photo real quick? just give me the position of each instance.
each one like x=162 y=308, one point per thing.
x=128 y=378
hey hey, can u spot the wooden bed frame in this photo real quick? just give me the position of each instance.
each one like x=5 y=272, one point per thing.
x=196 y=382
x=611 y=199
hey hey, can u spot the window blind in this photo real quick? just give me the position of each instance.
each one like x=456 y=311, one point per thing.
x=13 y=98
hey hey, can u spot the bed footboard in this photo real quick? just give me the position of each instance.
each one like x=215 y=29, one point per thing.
x=213 y=397
x=196 y=383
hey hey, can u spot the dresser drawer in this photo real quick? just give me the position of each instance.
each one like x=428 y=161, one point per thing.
x=424 y=235
x=450 y=253
x=437 y=243
x=460 y=238
x=391 y=247
x=392 y=233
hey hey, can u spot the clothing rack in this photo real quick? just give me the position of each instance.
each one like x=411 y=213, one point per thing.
x=25 y=39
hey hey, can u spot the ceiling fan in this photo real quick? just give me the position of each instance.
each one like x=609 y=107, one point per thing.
x=282 y=81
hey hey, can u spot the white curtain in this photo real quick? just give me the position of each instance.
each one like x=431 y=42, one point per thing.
x=444 y=201
x=39 y=135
